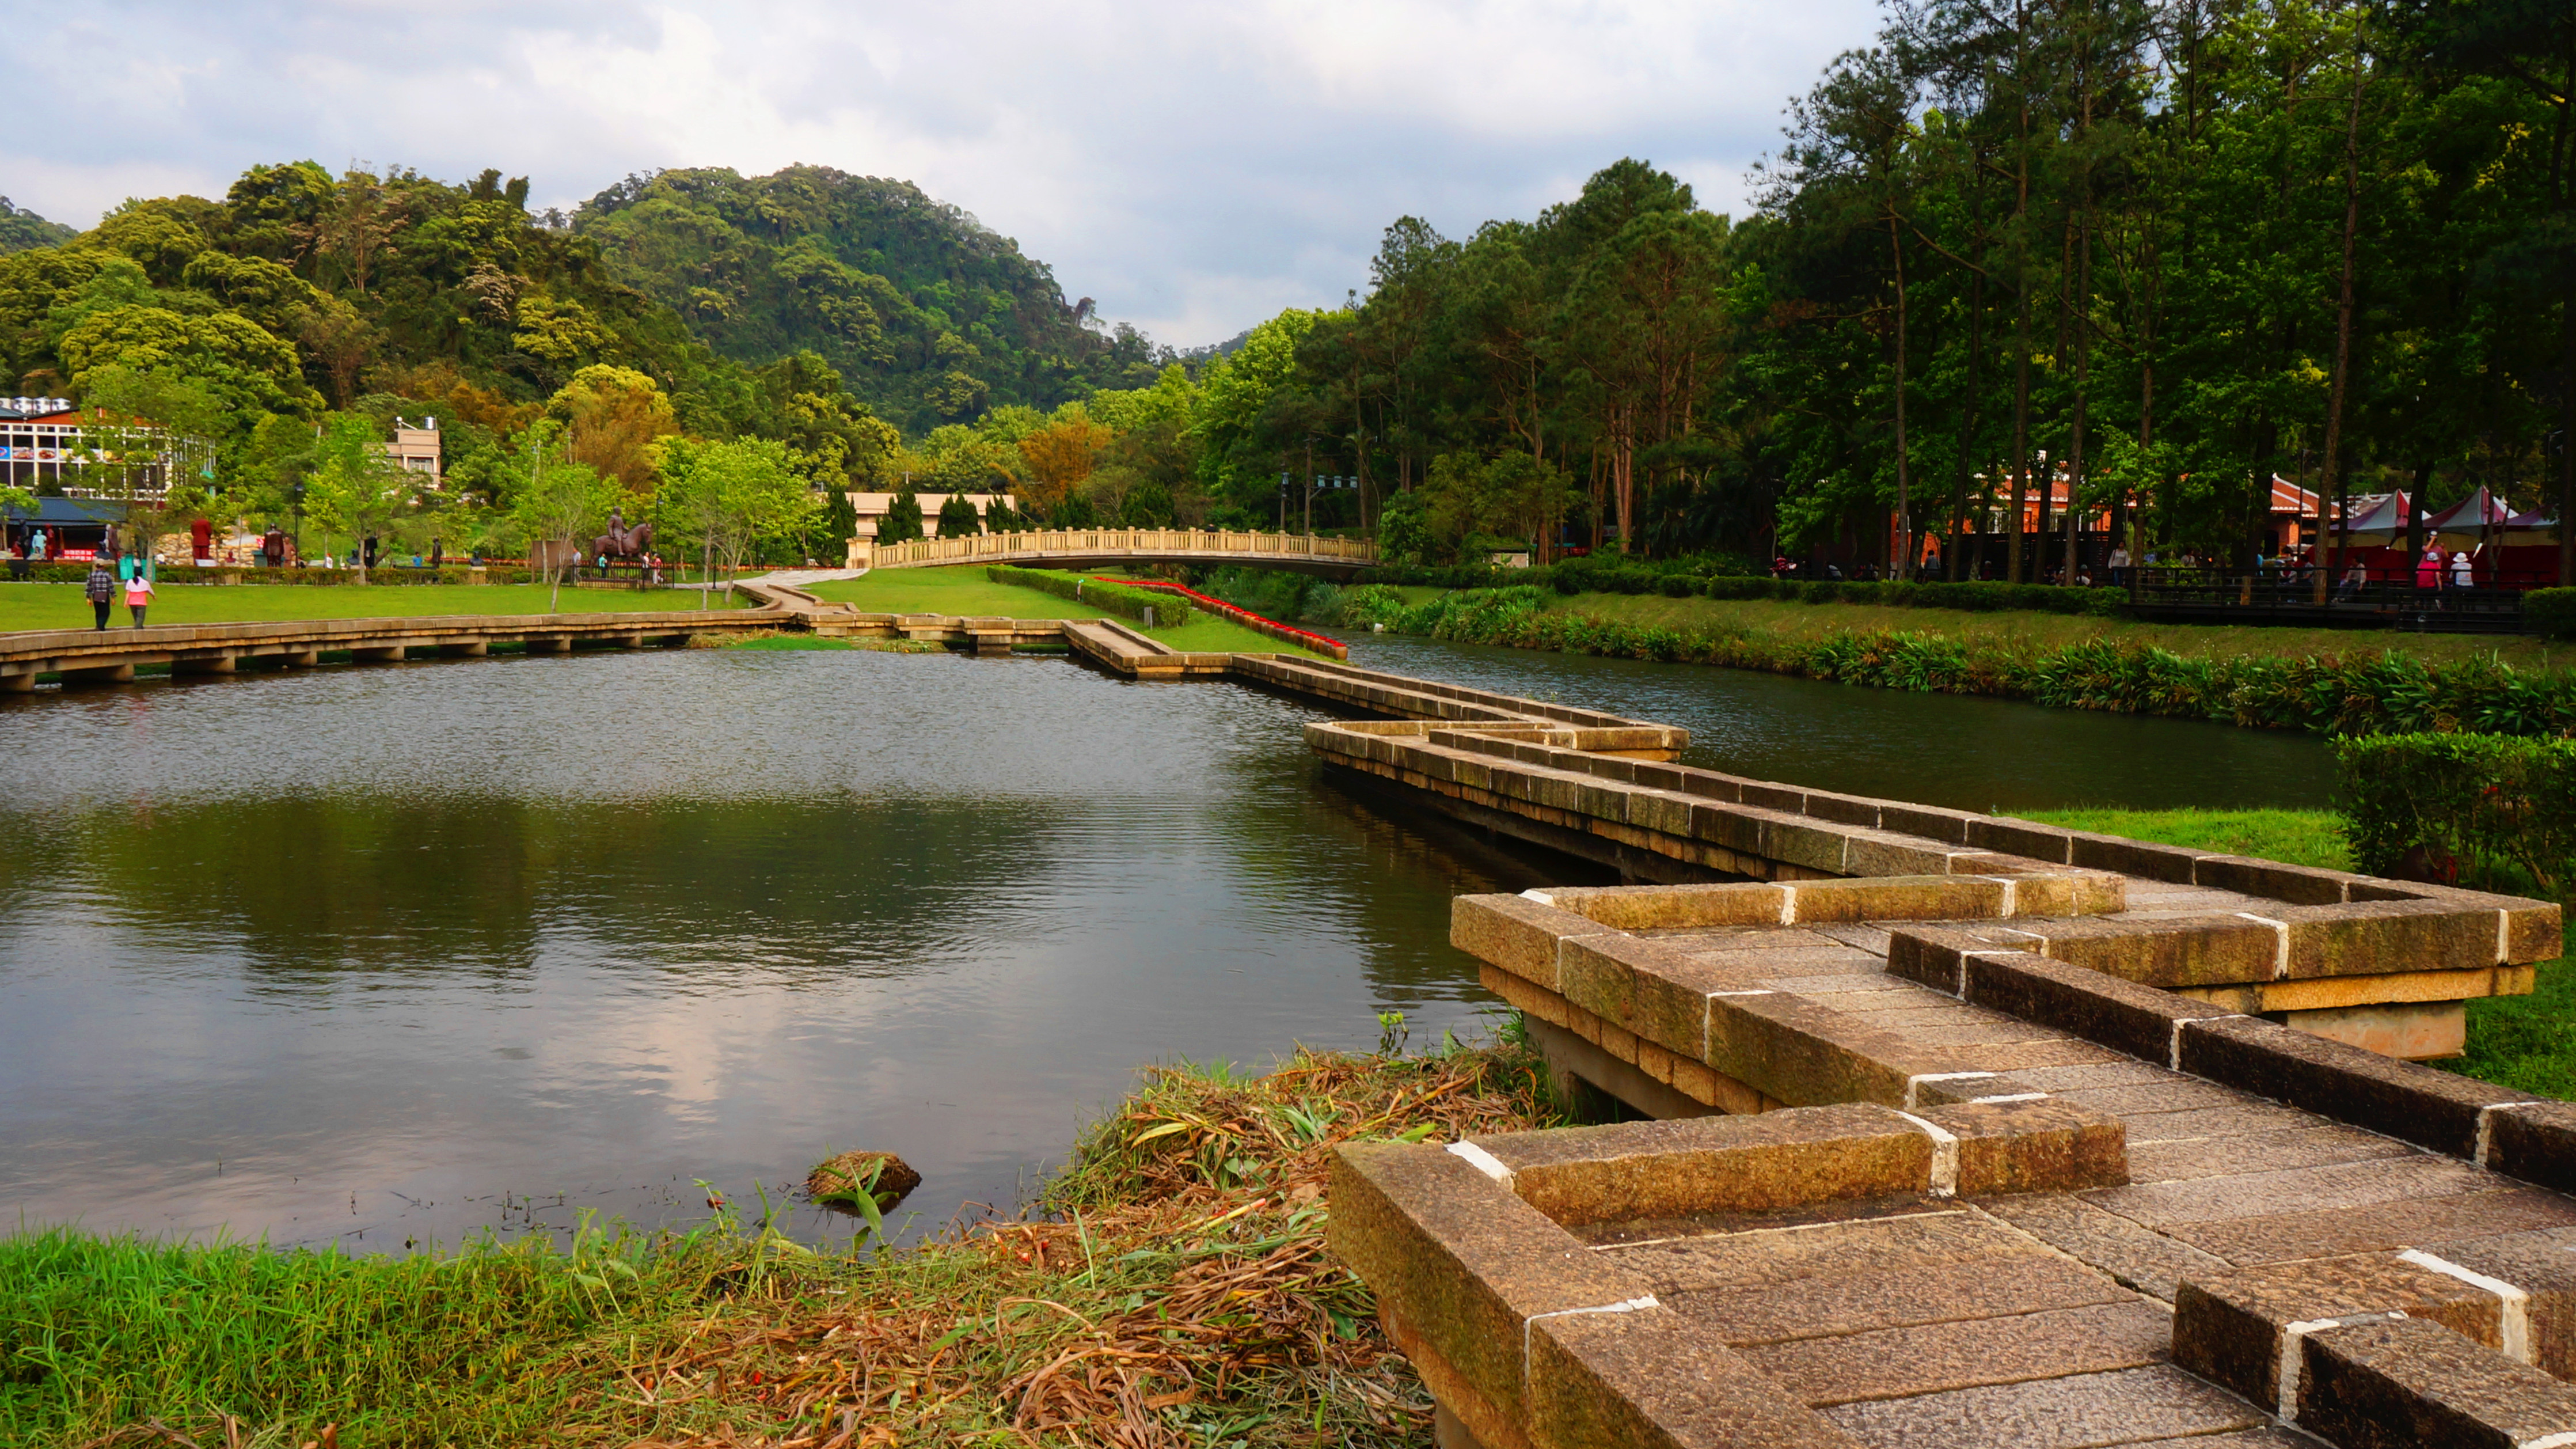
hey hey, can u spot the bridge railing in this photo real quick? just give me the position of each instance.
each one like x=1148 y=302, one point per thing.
x=1040 y=544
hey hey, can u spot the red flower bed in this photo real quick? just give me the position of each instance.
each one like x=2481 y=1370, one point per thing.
x=1220 y=606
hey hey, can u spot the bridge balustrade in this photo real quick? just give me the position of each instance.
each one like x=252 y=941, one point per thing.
x=1038 y=545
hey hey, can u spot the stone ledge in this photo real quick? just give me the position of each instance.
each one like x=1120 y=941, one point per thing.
x=2397 y=1383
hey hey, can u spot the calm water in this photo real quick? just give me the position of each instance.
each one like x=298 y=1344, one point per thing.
x=393 y=954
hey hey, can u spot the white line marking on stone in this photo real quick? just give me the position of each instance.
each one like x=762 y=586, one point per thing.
x=1914 y=1085
x=1542 y=897
x=2292 y=1335
x=1752 y=991
x=1624 y=1305
x=2280 y=942
x=2013 y=1097
x=1483 y=1161
x=2504 y=937
x=2548 y=1441
x=2484 y=1126
x=1788 y=903
x=2514 y=1318
x=1945 y=1156
x=2174 y=1062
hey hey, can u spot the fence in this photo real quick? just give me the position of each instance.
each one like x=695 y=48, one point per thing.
x=1196 y=544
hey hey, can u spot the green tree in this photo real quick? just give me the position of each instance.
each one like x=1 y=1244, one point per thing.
x=356 y=488
x=557 y=504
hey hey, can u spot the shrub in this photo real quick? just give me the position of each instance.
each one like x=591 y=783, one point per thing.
x=2551 y=612
x=902 y=521
x=958 y=518
x=1099 y=593
x=2488 y=809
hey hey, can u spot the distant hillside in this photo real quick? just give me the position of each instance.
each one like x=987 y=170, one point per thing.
x=21 y=229
x=927 y=314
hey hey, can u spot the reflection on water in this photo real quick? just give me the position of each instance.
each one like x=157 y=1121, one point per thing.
x=1960 y=751
x=393 y=954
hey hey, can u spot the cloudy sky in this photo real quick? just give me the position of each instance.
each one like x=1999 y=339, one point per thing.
x=1193 y=166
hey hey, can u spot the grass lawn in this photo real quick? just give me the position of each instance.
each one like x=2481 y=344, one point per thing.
x=965 y=591
x=2022 y=631
x=2524 y=1042
x=63 y=606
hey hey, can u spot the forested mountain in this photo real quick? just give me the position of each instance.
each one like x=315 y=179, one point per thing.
x=930 y=316
x=21 y=229
x=301 y=293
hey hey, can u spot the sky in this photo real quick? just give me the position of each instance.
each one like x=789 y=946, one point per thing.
x=1194 y=167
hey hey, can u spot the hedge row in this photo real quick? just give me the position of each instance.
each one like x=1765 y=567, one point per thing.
x=2334 y=694
x=382 y=574
x=2474 y=809
x=1100 y=594
x=1614 y=576
x=2551 y=612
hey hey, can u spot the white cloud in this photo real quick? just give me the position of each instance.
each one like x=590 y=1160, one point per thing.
x=1193 y=167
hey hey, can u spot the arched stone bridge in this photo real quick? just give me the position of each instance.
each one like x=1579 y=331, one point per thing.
x=1105 y=547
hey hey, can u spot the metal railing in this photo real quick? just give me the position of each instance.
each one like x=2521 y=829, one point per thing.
x=2382 y=595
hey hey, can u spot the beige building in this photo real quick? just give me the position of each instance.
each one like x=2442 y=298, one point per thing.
x=871 y=508
x=417 y=448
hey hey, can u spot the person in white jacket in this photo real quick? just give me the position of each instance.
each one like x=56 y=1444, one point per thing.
x=2463 y=576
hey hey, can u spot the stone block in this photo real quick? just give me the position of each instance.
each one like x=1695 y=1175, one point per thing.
x=1934 y=1357
x=1659 y=777
x=1950 y=827
x=1844 y=809
x=1649 y=1380
x=2144 y=859
x=1931 y=955
x=1880 y=853
x=2020 y=837
x=2378 y=1227
x=2169 y=953
x=2364 y=937
x=1650 y=987
x=2120 y=1407
x=1710 y=785
x=2050 y=1145
x=1771 y=795
x=2133 y=1255
x=2413 y=1103
x=1796 y=1052
x=2411 y=1382
x=1674 y=908
x=1460 y=1258
x=2542 y=1267
x=2069 y=893
x=2297 y=884
x=2230 y=1327
x=1516 y=933
x=1776 y=1160
x=1898 y=898
x=1796 y=842
x=1729 y=826
x=2413 y=1030
x=2534 y=1141
x=2120 y=1014
x=1664 y=812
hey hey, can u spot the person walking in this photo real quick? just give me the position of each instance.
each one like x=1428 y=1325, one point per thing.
x=138 y=593
x=2428 y=569
x=101 y=589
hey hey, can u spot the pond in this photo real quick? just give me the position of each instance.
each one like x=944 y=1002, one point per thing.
x=388 y=956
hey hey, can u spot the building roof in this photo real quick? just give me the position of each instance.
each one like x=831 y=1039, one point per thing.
x=20 y=409
x=78 y=512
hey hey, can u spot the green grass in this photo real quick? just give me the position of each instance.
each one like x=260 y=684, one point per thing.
x=63 y=606
x=965 y=591
x=2294 y=837
x=2527 y=1043
x=2030 y=632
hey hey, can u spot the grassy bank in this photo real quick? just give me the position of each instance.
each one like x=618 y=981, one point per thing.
x=64 y=606
x=2362 y=685
x=2028 y=632
x=965 y=590
x=1172 y=1291
x=2524 y=1042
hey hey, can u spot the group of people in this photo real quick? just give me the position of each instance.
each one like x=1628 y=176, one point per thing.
x=132 y=574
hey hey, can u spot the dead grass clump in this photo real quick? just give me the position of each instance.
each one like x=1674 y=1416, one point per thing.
x=1170 y=1289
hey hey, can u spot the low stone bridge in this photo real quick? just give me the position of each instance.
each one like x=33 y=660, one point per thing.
x=1112 y=547
x=102 y=656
